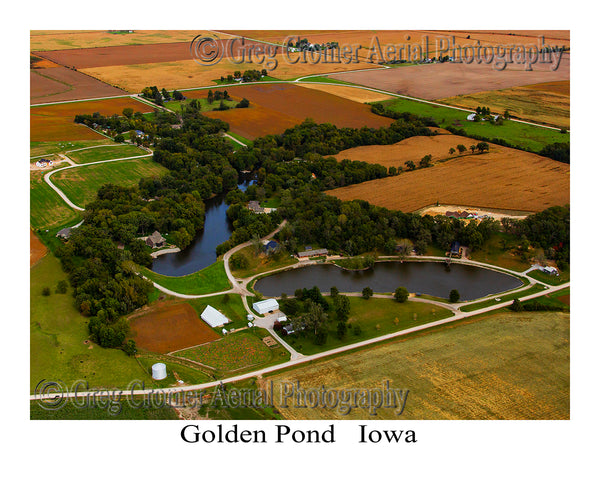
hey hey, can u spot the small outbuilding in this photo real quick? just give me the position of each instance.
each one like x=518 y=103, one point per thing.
x=159 y=371
x=266 y=306
x=213 y=317
x=455 y=249
x=65 y=233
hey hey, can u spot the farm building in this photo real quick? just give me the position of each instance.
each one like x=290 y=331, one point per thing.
x=266 y=306
x=550 y=270
x=313 y=253
x=65 y=233
x=156 y=240
x=289 y=329
x=213 y=317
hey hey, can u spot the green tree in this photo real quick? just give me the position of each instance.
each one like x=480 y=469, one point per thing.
x=401 y=294
x=367 y=293
x=119 y=138
x=46 y=291
x=425 y=161
x=483 y=147
x=451 y=151
x=334 y=292
x=61 y=287
x=410 y=165
x=130 y=348
x=461 y=148
x=341 y=329
x=454 y=296
x=128 y=112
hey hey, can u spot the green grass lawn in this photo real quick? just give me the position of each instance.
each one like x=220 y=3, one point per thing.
x=271 y=203
x=211 y=279
x=503 y=298
x=47 y=209
x=106 y=153
x=190 y=374
x=123 y=410
x=324 y=79
x=564 y=277
x=519 y=134
x=231 y=306
x=236 y=352
x=245 y=141
x=552 y=299
x=81 y=184
x=493 y=252
x=261 y=263
x=175 y=105
x=57 y=333
x=49 y=148
x=376 y=317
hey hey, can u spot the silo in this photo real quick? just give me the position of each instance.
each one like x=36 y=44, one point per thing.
x=159 y=371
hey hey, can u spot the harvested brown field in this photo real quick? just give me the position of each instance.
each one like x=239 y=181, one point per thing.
x=503 y=179
x=45 y=40
x=60 y=84
x=442 y=80
x=168 y=326
x=351 y=93
x=275 y=107
x=188 y=74
x=55 y=122
x=37 y=249
x=548 y=103
x=413 y=149
x=82 y=58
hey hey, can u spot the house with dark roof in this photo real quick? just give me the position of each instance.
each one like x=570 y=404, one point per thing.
x=271 y=247
x=255 y=207
x=65 y=233
x=156 y=240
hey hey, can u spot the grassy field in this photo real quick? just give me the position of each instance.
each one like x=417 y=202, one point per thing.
x=186 y=371
x=231 y=306
x=261 y=263
x=376 y=317
x=57 y=335
x=176 y=105
x=560 y=299
x=492 y=251
x=550 y=279
x=237 y=351
x=47 y=209
x=519 y=134
x=503 y=298
x=208 y=280
x=82 y=184
x=49 y=148
x=122 y=410
x=498 y=366
x=106 y=153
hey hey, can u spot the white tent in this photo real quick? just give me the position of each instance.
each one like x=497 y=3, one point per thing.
x=213 y=317
x=265 y=306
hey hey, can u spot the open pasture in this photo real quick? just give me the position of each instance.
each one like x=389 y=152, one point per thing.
x=167 y=326
x=81 y=184
x=504 y=178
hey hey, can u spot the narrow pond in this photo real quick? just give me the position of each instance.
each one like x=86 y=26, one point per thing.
x=202 y=251
x=418 y=277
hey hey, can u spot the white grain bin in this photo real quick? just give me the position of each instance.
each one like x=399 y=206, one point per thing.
x=159 y=371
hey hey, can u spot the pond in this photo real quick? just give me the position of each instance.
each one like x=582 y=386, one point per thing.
x=430 y=278
x=202 y=251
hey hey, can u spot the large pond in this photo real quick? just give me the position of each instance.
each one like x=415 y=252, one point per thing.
x=419 y=277
x=202 y=251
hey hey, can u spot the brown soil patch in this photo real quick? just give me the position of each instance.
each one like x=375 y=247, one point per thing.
x=276 y=107
x=566 y=299
x=167 y=326
x=351 y=93
x=413 y=149
x=59 y=84
x=37 y=249
x=442 y=80
x=55 y=122
x=504 y=179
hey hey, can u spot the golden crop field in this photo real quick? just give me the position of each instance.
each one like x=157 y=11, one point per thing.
x=548 y=102
x=351 y=93
x=502 y=366
x=504 y=179
x=189 y=74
